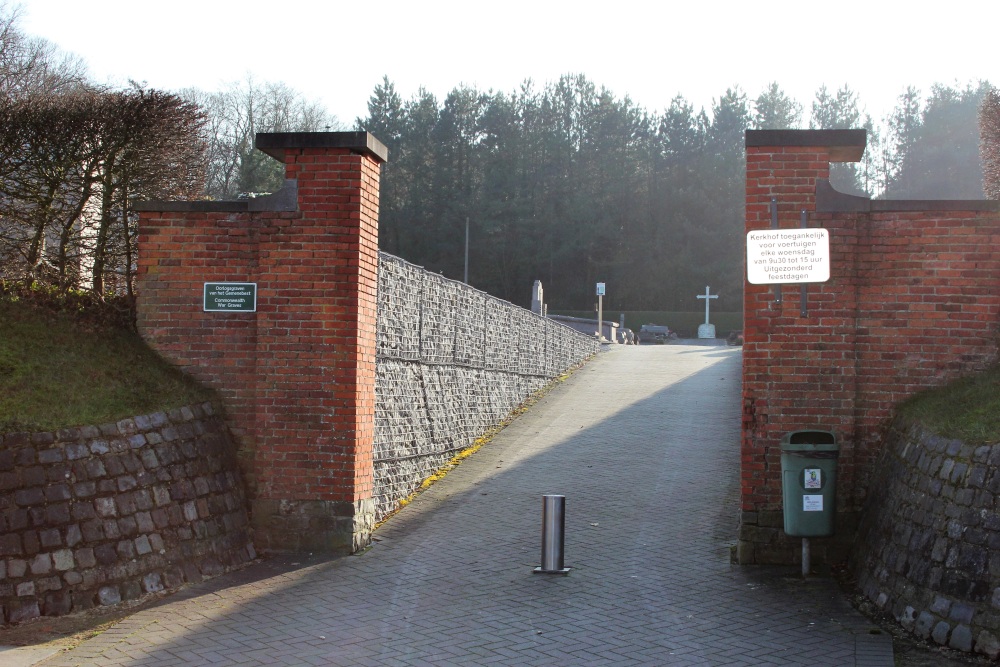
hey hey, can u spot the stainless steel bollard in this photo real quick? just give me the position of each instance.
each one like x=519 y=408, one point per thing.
x=553 y=535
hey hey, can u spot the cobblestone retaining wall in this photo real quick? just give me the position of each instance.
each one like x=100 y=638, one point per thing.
x=99 y=514
x=928 y=549
x=452 y=362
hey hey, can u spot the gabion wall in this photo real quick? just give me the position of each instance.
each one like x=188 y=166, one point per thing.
x=452 y=362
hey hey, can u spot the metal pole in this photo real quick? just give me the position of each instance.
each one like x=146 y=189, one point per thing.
x=804 y=293
x=553 y=535
x=774 y=225
x=466 y=250
x=600 y=317
x=805 y=557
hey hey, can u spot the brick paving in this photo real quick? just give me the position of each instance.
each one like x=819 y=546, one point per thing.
x=644 y=444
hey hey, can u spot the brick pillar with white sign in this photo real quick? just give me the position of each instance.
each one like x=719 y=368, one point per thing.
x=798 y=372
x=295 y=371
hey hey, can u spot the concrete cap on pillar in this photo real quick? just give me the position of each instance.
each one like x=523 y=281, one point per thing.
x=843 y=145
x=276 y=143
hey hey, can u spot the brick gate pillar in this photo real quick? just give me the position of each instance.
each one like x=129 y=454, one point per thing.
x=798 y=372
x=316 y=348
x=297 y=375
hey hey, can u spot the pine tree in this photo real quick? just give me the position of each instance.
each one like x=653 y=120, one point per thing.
x=774 y=110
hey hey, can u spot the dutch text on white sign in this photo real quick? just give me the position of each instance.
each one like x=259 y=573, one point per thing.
x=788 y=256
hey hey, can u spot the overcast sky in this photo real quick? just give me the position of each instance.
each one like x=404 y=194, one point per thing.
x=337 y=52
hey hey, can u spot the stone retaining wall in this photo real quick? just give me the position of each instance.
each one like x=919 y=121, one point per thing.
x=452 y=362
x=928 y=549
x=99 y=514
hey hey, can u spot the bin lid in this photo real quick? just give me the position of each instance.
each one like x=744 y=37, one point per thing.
x=809 y=441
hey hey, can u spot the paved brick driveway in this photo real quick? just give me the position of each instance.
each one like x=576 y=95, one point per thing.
x=643 y=442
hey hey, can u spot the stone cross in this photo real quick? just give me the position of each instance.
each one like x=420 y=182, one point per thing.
x=707 y=297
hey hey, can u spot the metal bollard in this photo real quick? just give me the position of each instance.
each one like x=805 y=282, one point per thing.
x=805 y=557
x=553 y=533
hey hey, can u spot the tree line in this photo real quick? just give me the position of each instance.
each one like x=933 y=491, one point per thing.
x=570 y=184
x=564 y=182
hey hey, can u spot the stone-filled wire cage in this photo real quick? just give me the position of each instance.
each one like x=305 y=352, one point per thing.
x=451 y=363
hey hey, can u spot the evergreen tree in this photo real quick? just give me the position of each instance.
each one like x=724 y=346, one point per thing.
x=896 y=138
x=416 y=167
x=840 y=112
x=774 y=110
x=941 y=158
x=721 y=229
x=385 y=122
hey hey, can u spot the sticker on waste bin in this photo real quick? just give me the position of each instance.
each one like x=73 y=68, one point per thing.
x=812 y=503
x=813 y=478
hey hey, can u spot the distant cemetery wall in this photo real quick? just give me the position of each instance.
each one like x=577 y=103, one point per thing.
x=912 y=302
x=452 y=362
x=928 y=549
x=99 y=514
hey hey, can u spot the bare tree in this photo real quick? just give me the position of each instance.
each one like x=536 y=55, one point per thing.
x=43 y=178
x=151 y=146
x=235 y=115
x=32 y=66
x=71 y=168
x=47 y=173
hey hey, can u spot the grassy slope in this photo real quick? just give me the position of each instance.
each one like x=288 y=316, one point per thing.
x=57 y=373
x=968 y=409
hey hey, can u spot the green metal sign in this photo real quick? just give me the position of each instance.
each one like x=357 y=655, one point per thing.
x=230 y=297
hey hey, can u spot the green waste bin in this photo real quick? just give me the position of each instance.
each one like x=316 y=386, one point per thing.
x=809 y=482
